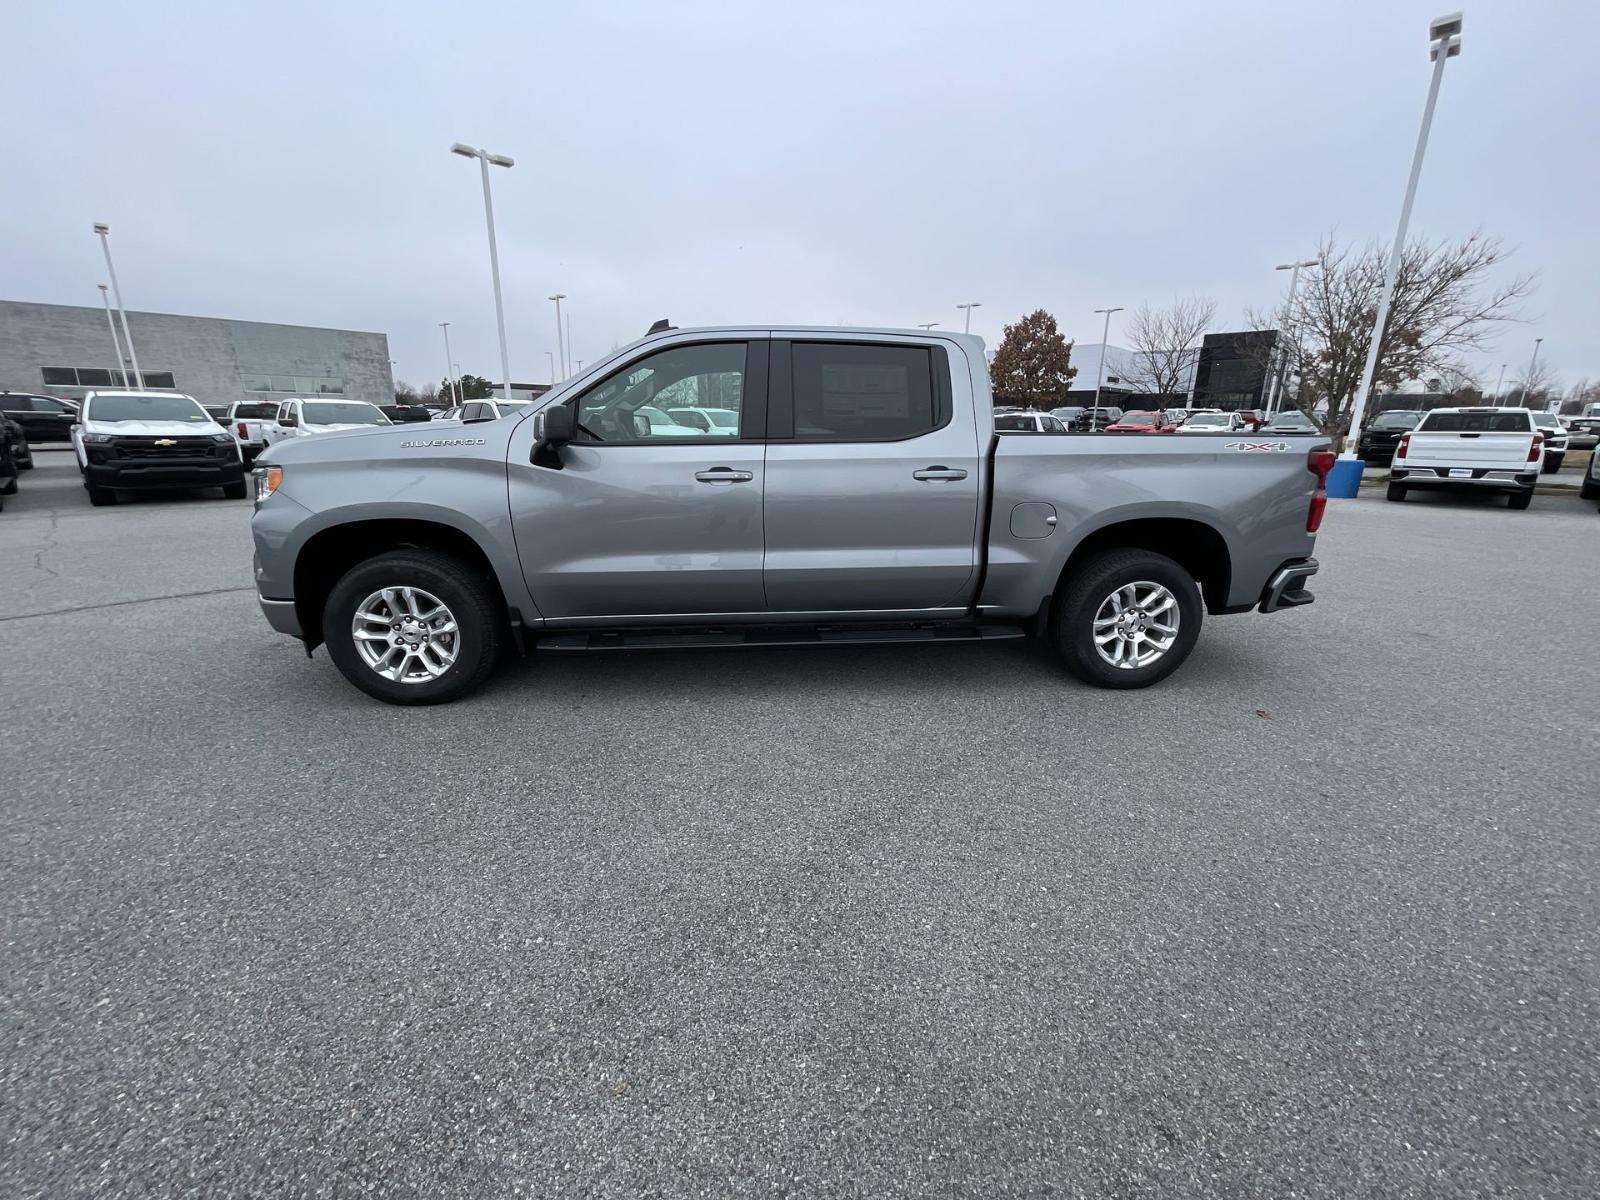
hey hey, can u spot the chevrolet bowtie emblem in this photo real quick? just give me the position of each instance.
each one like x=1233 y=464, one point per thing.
x=166 y=442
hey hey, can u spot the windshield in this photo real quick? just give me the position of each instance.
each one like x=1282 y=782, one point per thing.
x=1208 y=421
x=326 y=412
x=1545 y=421
x=1396 y=420
x=1295 y=420
x=722 y=418
x=146 y=408
x=1511 y=421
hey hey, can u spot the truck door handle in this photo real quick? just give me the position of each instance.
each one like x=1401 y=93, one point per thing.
x=939 y=474
x=724 y=475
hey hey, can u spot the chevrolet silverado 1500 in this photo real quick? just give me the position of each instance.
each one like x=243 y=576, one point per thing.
x=865 y=496
x=1494 y=449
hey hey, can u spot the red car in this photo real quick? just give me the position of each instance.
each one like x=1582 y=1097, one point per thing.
x=1144 y=421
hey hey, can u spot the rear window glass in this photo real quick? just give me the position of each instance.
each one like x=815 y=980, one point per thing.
x=255 y=412
x=321 y=412
x=1396 y=420
x=1014 y=422
x=1476 y=422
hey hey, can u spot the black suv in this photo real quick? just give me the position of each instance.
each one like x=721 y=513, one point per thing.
x=43 y=418
x=1382 y=435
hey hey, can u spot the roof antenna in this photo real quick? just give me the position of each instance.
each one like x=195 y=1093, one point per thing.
x=660 y=326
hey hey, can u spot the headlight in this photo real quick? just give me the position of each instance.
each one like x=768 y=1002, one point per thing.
x=267 y=481
x=222 y=439
x=96 y=437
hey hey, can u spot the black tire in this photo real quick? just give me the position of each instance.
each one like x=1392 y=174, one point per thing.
x=1397 y=491
x=1091 y=585
x=1552 y=463
x=9 y=487
x=23 y=454
x=1520 y=499
x=1588 y=490
x=235 y=491
x=469 y=596
x=100 y=497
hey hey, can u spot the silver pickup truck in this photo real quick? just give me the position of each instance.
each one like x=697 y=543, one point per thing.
x=861 y=495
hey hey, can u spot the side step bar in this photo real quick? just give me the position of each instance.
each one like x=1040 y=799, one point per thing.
x=757 y=635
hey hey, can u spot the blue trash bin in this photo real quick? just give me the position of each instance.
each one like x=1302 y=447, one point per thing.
x=1344 y=481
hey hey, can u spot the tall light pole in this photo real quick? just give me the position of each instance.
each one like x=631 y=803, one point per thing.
x=122 y=363
x=1526 y=379
x=485 y=159
x=1498 y=382
x=570 y=359
x=550 y=354
x=561 y=345
x=1100 y=374
x=929 y=325
x=1444 y=42
x=104 y=231
x=450 y=380
x=1288 y=316
x=967 y=328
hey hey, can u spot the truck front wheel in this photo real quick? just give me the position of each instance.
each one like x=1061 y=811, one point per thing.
x=413 y=627
x=1127 y=619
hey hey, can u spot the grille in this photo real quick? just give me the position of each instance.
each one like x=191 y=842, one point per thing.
x=185 y=447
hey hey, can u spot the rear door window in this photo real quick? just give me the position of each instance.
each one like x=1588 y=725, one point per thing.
x=862 y=393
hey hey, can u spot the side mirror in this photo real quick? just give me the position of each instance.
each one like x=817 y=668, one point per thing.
x=553 y=426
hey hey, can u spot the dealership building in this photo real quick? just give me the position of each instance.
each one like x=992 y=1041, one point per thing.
x=64 y=350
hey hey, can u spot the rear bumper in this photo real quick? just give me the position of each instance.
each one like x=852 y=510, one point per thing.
x=1488 y=480
x=1287 y=587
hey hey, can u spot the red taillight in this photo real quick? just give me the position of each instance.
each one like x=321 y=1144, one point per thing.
x=1319 y=463
x=1536 y=451
x=1405 y=444
x=244 y=433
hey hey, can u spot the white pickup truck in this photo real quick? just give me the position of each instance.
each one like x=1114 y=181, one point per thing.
x=303 y=417
x=1497 y=449
x=248 y=421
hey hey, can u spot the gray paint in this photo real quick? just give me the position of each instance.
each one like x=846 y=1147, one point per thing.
x=206 y=355
x=626 y=533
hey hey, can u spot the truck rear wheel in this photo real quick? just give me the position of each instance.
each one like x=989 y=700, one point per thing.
x=1521 y=499
x=1396 y=491
x=413 y=627
x=1127 y=619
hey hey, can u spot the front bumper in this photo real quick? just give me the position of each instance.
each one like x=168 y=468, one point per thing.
x=1488 y=480
x=188 y=471
x=1287 y=587
x=280 y=615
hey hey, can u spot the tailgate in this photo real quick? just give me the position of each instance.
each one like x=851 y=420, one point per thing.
x=1488 y=451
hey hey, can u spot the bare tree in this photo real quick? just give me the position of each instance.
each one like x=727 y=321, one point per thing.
x=1166 y=344
x=1447 y=304
x=1535 y=388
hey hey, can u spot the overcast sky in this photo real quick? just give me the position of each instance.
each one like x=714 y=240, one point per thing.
x=867 y=163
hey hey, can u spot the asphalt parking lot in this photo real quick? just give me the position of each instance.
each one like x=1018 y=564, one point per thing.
x=1316 y=917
